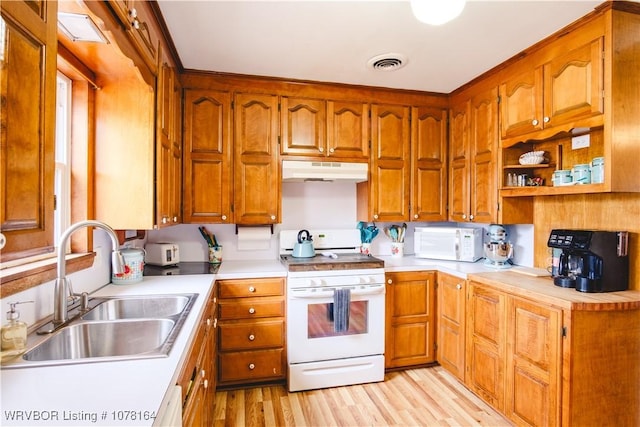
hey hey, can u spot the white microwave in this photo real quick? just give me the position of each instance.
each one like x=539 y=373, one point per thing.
x=448 y=243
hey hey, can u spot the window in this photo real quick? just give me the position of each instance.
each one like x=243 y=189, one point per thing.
x=62 y=179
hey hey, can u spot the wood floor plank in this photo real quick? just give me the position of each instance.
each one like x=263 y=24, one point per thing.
x=414 y=397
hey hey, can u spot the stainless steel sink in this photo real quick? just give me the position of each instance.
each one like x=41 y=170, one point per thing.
x=138 y=307
x=119 y=328
x=104 y=339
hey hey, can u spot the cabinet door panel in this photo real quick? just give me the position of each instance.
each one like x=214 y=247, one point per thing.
x=390 y=163
x=256 y=172
x=451 y=321
x=303 y=126
x=574 y=84
x=27 y=122
x=429 y=164
x=521 y=104
x=348 y=130
x=533 y=359
x=484 y=145
x=207 y=160
x=459 y=162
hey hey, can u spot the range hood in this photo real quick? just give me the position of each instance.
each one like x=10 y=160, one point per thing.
x=302 y=171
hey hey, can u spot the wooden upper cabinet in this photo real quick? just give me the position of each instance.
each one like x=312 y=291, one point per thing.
x=303 y=126
x=390 y=177
x=257 y=184
x=138 y=20
x=327 y=130
x=168 y=147
x=484 y=155
x=564 y=89
x=459 y=162
x=348 y=130
x=428 y=164
x=27 y=120
x=207 y=156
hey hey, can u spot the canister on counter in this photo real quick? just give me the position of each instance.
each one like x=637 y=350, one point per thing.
x=597 y=170
x=133 y=267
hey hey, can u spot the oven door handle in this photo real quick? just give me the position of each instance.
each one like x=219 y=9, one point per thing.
x=328 y=292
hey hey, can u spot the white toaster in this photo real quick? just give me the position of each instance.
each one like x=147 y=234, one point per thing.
x=162 y=254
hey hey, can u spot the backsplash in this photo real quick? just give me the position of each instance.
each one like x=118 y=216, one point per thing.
x=316 y=205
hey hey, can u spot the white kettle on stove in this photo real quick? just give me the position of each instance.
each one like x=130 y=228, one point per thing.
x=304 y=246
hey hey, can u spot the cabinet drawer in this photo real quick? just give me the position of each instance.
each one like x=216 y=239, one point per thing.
x=250 y=309
x=251 y=336
x=251 y=365
x=250 y=288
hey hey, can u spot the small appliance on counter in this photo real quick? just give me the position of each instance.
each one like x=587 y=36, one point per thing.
x=162 y=254
x=591 y=261
x=498 y=251
x=448 y=243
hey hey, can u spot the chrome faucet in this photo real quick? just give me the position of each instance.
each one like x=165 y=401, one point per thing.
x=63 y=285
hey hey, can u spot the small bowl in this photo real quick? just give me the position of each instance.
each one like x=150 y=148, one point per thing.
x=532 y=158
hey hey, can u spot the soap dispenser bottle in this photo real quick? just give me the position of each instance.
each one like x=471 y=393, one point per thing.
x=14 y=333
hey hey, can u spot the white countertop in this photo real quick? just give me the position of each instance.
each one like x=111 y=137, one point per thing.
x=132 y=392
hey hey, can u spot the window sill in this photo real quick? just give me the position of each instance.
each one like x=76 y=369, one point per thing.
x=26 y=276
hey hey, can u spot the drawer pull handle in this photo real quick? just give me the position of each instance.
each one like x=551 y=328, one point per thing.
x=252 y=366
x=252 y=289
x=252 y=337
x=252 y=310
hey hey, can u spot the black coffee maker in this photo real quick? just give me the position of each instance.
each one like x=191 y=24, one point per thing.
x=591 y=261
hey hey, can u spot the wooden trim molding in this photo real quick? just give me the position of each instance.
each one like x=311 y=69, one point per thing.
x=26 y=276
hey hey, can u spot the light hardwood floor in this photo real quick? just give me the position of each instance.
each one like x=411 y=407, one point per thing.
x=414 y=397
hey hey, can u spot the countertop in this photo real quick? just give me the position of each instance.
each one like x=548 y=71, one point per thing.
x=132 y=392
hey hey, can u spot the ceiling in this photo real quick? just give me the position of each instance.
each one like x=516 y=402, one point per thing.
x=332 y=41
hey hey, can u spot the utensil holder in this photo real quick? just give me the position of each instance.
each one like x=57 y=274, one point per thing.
x=215 y=254
x=397 y=249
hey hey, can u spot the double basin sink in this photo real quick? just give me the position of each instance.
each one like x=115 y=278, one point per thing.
x=118 y=328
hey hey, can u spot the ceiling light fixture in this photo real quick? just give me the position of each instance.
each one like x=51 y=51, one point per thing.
x=436 y=12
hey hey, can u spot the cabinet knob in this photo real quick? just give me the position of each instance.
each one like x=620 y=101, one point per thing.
x=208 y=322
x=165 y=219
x=459 y=286
x=546 y=119
x=252 y=337
x=224 y=217
x=321 y=149
x=464 y=216
x=133 y=13
x=471 y=217
x=205 y=384
x=389 y=281
x=534 y=122
x=203 y=373
x=252 y=366
x=273 y=217
x=331 y=150
x=252 y=289
x=416 y=216
x=215 y=323
x=252 y=310
x=375 y=216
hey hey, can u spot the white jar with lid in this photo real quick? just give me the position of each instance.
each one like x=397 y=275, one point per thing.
x=581 y=174
x=133 y=267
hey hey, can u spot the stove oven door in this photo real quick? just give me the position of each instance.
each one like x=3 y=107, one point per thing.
x=314 y=332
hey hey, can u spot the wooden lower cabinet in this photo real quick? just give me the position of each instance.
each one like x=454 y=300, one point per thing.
x=451 y=294
x=251 y=344
x=410 y=319
x=198 y=376
x=554 y=358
